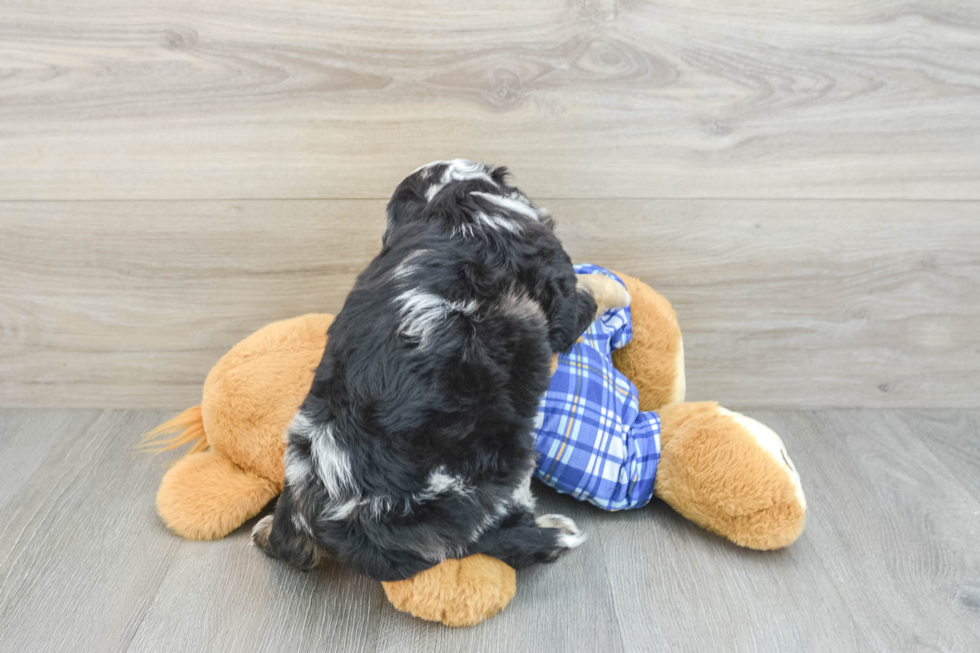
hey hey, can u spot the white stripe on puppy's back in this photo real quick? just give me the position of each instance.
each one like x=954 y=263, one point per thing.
x=328 y=462
x=422 y=312
x=300 y=425
x=331 y=463
x=297 y=467
x=340 y=510
x=407 y=267
x=465 y=307
x=441 y=482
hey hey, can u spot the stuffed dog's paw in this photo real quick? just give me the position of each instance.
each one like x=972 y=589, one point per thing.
x=205 y=496
x=456 y=592
x=730 y=474
x=607 y=293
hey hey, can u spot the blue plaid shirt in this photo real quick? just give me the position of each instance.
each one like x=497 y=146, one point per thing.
x=594 y=442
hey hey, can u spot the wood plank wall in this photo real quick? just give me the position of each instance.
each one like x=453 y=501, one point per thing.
x=801 y=179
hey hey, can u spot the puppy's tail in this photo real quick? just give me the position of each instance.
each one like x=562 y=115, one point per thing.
x=189 y=427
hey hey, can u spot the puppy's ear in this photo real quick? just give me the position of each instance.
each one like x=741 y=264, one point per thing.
x=500 y=175
x=406 y=205
x=571 y=316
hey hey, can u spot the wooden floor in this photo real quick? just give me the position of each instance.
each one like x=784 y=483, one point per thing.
x=889 y=560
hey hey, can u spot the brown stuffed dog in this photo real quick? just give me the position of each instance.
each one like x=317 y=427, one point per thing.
x=724 y=471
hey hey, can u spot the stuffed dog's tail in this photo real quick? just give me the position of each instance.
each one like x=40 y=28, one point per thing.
x=189 y=427
x=204 y=495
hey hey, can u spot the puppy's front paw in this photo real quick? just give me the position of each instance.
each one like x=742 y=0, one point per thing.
x=571 y=535
x=607 y=293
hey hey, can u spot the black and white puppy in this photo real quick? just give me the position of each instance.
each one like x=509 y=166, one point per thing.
x=415 y=442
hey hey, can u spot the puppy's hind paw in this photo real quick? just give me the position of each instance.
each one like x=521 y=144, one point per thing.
x=571 y=535
x=260 y=533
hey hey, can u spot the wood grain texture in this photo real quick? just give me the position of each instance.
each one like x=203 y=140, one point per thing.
x=783 y=303
x=79 y=562
x=26 y=438
x=110 y=99
x=954 y=438
x=228 y=596
x=907 y=526
x=888 y=561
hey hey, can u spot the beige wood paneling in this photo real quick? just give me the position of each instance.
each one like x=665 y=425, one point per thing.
x=783 y=303
x=139 y=99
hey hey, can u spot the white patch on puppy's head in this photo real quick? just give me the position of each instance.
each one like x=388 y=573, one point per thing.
x=455 y=170
x=517 y=206
x=433 y=190
x=465 y=170
x=498 y=222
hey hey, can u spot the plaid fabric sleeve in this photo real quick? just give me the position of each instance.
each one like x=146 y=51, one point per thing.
x=593 y=441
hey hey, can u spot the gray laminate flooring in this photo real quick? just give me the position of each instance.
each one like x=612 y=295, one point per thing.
x=890 y=559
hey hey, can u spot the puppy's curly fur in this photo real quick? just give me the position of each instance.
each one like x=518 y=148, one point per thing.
x=415 y=442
